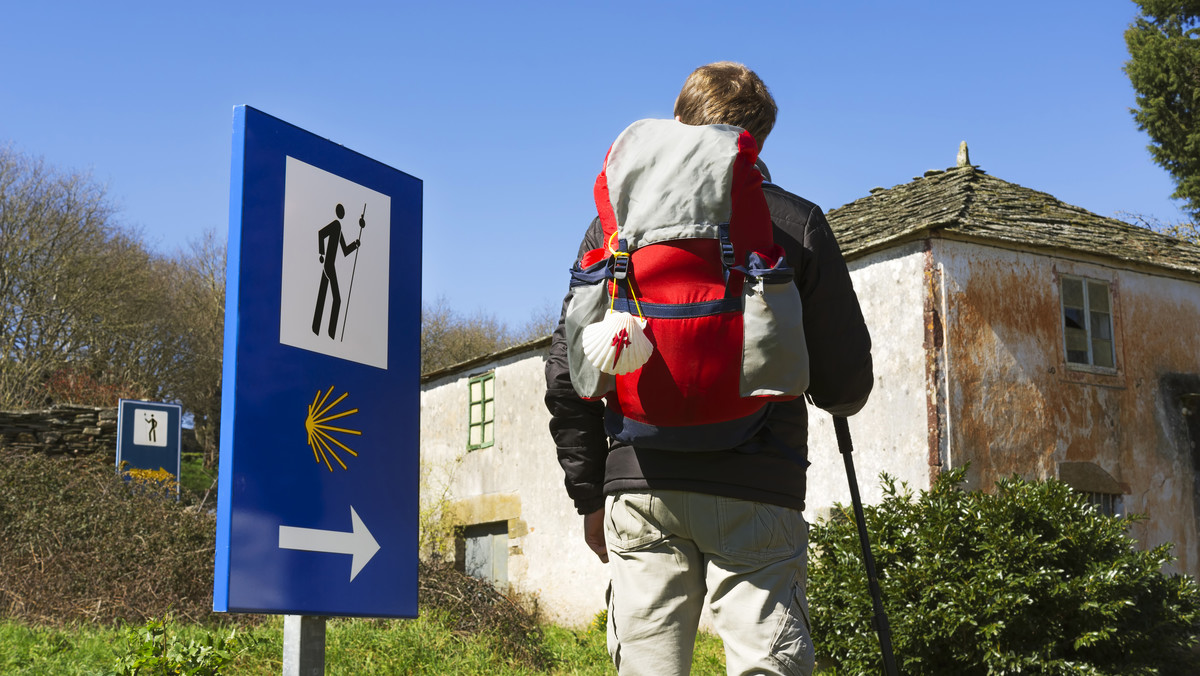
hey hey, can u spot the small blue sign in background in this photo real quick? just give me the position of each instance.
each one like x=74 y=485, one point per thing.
x=148 y=436
x=318 y=481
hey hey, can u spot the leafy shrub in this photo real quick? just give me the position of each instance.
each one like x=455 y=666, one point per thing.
x=436 y=526
x=154 y=648
x=1029 y=579
x=80 y=545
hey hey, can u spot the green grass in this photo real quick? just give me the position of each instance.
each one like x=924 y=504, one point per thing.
x=37 y=650
x=352 y=646
x=193 y=477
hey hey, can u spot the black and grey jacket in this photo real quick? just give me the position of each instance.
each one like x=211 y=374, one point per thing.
x=841 y=377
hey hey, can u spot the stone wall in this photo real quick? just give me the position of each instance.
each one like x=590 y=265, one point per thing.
x=62 y=430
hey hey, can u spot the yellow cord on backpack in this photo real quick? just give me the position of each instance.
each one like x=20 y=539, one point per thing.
x=612 y=292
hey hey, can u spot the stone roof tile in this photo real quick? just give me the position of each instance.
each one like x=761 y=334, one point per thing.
x=966 y=201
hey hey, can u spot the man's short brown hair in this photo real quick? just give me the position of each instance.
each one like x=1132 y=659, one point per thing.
x=727 y=93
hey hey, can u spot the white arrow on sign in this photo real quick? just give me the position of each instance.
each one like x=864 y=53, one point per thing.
x=359 y=543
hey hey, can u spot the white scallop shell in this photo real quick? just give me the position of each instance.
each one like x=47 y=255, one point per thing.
x=617 y=330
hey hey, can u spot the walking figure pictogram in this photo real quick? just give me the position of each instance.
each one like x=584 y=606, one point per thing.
x=329 y=239
x=152 y=435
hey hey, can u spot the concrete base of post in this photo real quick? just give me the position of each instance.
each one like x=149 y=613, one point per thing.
x=303 y=645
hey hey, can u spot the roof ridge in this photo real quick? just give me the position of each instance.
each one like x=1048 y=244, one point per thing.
x=968 y=195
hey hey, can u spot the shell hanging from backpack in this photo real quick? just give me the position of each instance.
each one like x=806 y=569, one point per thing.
x=617 y=344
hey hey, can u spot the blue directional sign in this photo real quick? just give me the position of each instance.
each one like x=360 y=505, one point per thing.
x=320 y=411
x=148 y=436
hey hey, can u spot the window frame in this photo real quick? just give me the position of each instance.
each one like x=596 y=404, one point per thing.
x=1090 y=333
x=487 y=415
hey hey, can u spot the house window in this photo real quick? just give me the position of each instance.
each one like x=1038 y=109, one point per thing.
x=486 y=552
x=1097 y=486
x=1190 y=405
x=481 y=414
x=1087 y=322
x=1108 y=504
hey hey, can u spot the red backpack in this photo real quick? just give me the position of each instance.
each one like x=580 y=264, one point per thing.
x=687 y=321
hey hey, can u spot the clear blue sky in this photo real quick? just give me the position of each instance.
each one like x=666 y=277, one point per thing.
x=505 y=109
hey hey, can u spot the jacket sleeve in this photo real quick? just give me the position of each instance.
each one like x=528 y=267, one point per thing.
x=577 y=425
x=839 y=346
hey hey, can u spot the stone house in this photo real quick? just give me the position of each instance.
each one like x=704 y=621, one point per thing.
x=1012 y=333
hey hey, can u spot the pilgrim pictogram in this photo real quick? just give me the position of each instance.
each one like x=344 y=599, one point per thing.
x=145 y=427
x=316 y=291
x=329 y=240
x=152 y=434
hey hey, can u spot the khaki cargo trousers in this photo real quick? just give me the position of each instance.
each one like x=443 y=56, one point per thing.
x=670 y=552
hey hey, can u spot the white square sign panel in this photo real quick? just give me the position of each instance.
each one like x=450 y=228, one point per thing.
x=335 y=266
x=149 y=427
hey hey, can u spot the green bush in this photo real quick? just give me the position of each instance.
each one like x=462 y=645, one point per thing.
x=1026 y=580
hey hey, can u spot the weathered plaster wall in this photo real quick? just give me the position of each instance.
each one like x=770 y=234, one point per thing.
x=517 y=480
x=1017 y=408
x=890 y=433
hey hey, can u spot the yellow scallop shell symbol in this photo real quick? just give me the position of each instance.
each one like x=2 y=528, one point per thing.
x=320 y=432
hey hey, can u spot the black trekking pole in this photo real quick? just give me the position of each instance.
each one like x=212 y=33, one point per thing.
x=842 y=429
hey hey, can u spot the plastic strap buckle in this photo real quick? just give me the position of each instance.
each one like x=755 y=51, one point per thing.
x=620 y=266
x=727 y=257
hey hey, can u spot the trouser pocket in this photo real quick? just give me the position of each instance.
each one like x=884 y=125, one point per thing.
x=792 y=648
x=754 y=531
x=631 y=523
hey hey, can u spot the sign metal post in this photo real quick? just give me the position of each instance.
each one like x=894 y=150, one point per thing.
x=303 y=645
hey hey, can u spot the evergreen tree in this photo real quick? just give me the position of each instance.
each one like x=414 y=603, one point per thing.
x=1164 y=68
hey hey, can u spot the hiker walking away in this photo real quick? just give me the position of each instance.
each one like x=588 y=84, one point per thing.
x=684 y=528
x=329 y=238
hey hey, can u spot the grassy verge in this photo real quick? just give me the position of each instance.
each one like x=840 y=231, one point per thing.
x=352 y=646
x=193 y=477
